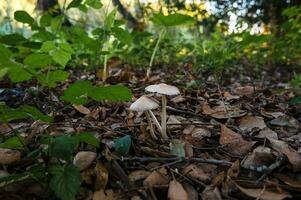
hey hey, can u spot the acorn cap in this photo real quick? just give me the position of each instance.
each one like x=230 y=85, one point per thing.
x=163 y=88
x=144 y=103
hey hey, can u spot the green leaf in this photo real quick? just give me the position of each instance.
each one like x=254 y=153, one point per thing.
x=61 y=57
x=171 y=20
x=3 y=72
x=112 y=93
x=8 y=114
x=51 y=78
x=43 y=36
x=12 y=39
x=56 y=23
x=48 y=46
x=74 y=4
x=65 y=181
x=109 y=21
x=5 y=53
x=45 y=20
x=24 y=17
x=38 y=60
x=63 y=147
x=12 y=143
x=177 y=148
x=66 y=47
x=17 y=73
x=77 y=93
x=122 y=35
x=122 y=145
x=88 y=138
x=94 y=3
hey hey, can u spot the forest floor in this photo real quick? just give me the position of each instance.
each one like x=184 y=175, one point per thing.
x=236 y=138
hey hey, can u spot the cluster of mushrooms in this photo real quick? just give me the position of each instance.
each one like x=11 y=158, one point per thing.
x=146 y=104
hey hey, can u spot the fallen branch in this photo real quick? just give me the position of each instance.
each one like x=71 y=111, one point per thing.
x=171 y=159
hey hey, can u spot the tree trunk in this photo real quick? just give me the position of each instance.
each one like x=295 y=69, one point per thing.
x=132 y=21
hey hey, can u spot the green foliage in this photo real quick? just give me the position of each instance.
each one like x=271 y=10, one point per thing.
x=8 y=114
x=296 y=81
x=24 y=17
x=88 y=138
x=65 y=181
x=122 y=145
x=13 y=143
x=79 y=92
x=63 y=147
x=177 y=148
x=171 y=20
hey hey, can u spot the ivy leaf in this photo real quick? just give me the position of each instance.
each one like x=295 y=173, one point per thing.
x=45 y=20
x=112 y=93
x=63 y=147
x=122 y=145
x=65 y=181
x=61 y=57
x=122 y=35
x=87 y=138
x=38 y=60
x=171 y=20
x=77 y=93
x=24 y=17
x=12 y=39
x=74 y=4
x=52 y=78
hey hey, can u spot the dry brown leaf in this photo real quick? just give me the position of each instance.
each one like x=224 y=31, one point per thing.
x=293 y=156
x=220 y=112
x=176 y=191
x=194 y=171
x=192 y=192
x=82 y=109
x=264 y=193
x=138 y=175
x=267 y=133
x=156 y=178
x=260 y=156
x=234 y=142
x=104 y=195
x=84 y=159
x=229 y=96
x=8 y=156
x=211 y=193
x=288 y=180
x=247 y=123
x=101 y=176
x=244 y=90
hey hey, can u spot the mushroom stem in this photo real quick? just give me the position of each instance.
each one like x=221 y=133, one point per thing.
x=155 y=121
x=163 y=119
x=149 y=121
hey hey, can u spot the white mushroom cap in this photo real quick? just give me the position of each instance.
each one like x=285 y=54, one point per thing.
x=144 y=103
x=163 y=88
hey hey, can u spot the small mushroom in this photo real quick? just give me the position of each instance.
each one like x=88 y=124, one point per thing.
x=145 y=104
x=164 y=90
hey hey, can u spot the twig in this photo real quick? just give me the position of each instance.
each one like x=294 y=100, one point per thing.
x=183 y=111
x=171 y=159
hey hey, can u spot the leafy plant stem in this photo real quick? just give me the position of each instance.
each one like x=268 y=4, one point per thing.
x=148 y=72
x=105 y=68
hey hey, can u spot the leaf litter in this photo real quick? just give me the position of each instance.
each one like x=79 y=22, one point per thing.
x=236 y=143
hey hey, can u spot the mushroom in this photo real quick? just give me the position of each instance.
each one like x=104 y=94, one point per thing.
x=164 y=90
x=145 y=104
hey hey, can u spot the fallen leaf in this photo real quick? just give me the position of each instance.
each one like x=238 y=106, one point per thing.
x=264 y=193
x=285 y=121
x=82 y=109
x=104 y=195
x=9 y=156
x=267 y=133
x=211 y=193
x=84 y=159
x=196 y=172
x=293 y=156
x=247 y=123
x=230 y=97
x=192 y=192
x=234 y=142
x=156 y=178
x=244 y=90
x=101 y=176
x=288 y=180
x=220 y=112
x=260 y=156
x=138 y=175
x=176 y=191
